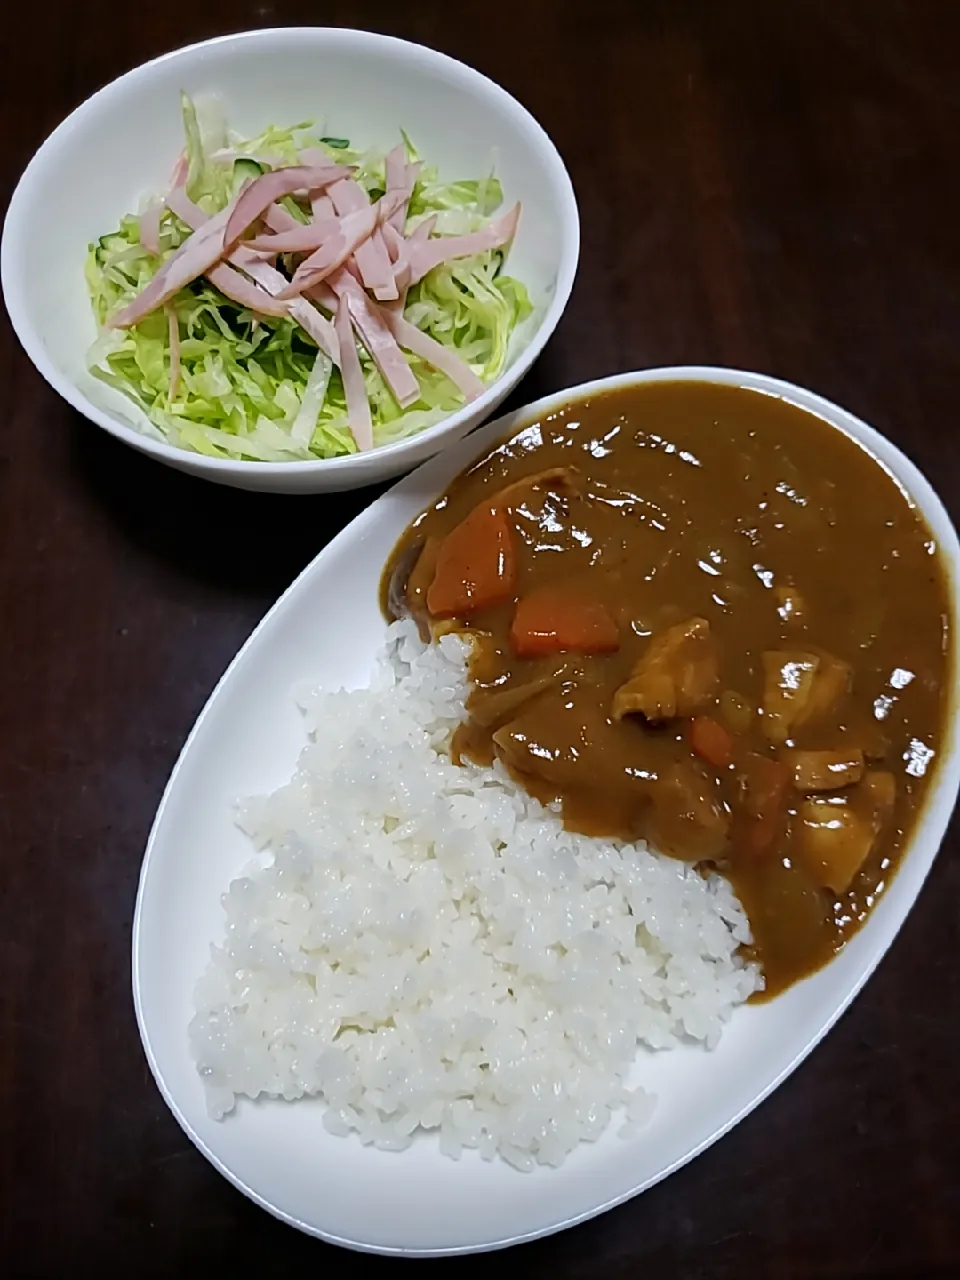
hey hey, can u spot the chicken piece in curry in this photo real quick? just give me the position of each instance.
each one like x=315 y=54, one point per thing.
x=705 y=618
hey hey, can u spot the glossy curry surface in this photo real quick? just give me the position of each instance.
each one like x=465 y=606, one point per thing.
x=706 y=618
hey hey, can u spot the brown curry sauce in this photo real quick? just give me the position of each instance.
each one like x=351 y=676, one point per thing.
x=689 y=512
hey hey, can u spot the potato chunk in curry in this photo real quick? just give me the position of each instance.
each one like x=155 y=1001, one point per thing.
x=837 y=834
x=800 y=688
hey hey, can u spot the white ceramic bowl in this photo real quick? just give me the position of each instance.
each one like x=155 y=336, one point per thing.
x=325 y=630
x=121 y=143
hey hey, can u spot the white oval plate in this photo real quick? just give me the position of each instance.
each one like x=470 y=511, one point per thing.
x=326 y=629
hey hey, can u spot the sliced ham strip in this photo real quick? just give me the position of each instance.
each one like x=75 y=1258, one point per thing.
x=178 y=178
x=173 y=328
x=307 y=316
x=317 y=158
x=443 y=248
x=395 y=168
x=270 y=187
x=401 y=268
x=373 y=261
x=179 y=202
x=378 y=276
x=347 y=196
x=401 y=177
x=393 y=240
x=358 y=406
x=321 y=205
x=351 y=266
x=150 y=226
x=421 y=232
x=377 y=338
x=333 y=253
x=271 y=281
x=198 y=253
x=354 y=229
x=301 y=238
x=413 y=173
x=323 y=294
x=239 y=289
x=421 y=344
x=278 y=219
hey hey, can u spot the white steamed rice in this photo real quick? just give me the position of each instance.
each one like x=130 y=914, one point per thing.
x=429 y=949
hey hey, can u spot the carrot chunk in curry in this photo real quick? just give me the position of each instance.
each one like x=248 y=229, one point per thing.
x=762 y=788
x=558 y=619
x=476 y=565
x=703 y=618
x=712 y=742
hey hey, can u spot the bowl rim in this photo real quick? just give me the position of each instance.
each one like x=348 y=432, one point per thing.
x=30 y=339
x=926 y=840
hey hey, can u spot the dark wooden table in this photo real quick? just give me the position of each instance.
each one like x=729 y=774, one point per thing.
x=762 y=184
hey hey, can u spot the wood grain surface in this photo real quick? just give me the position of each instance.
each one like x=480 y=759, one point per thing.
x=769 y=184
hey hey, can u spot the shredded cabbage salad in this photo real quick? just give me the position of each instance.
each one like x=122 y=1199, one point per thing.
x=216 y=377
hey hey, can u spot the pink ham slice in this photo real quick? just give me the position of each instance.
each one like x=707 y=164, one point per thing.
x=270 y=187
x=284 y=224
x=301 y=238
x=401 y=268
x=307 y=317
x=443 y=248
x=173 y=328
x=321 y=205
x=377 y=338
x=271 y=281
x=150 y=226
x=278 y=219
x=178 y=178
x=194 y=258
x=323 y=294
x=374 y=333
x=244 y=292
x=394 y=242
x=347 y=196
x=395 y=168
x=351 y=266
x=385 y=284
x=421 y=344
x=333 y=253
x=150 y=218
x=317 y=158
x=358 y=406
x=372 y=258
x=401 y=177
